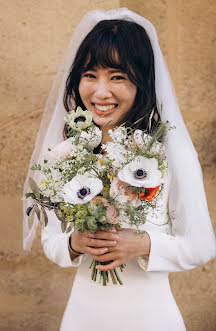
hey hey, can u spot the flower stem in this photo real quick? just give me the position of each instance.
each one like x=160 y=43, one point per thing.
x=117 y=276
x=113 y=277
x=104 y=278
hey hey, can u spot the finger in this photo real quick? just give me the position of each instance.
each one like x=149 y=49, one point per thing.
x=100 y=243
x=109 y=267
x=96 y=251
x=104 y=258
x=104 y=235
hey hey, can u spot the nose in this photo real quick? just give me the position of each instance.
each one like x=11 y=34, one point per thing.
x=102 y=89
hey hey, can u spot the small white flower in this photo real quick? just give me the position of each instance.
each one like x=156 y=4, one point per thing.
x=116 y=153
x=118 y=134
x=142 y=140
x=91 y=138
x=61 y=150
x=81 y=189
x=141 y=172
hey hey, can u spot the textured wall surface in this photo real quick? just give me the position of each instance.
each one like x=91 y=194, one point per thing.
x=34 y=36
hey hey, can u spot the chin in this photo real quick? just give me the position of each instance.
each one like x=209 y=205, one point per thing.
x=101 y=121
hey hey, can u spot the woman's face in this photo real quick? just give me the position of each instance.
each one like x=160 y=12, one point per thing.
x=108 y=93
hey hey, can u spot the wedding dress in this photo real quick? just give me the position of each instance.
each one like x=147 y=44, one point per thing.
x=143 y=302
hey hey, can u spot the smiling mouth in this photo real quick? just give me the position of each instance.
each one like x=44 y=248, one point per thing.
x=104 y=109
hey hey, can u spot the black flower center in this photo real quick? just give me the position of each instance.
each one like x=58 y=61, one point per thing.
x=140 y=173
x=80 y=119
x=83 y=192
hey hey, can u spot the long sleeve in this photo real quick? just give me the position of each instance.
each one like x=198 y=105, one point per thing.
x=193 y=241
x=55 y=243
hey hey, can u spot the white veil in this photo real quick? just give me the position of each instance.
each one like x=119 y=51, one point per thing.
x=187 y=196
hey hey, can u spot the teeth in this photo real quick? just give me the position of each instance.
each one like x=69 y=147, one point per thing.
x=105 y=108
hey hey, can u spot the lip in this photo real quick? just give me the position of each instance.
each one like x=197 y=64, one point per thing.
x=104 y=113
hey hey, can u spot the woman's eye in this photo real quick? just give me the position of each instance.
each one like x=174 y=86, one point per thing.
x=118 y=77
x=88 y=75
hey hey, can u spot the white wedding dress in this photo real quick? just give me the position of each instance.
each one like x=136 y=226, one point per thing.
x=143 y=302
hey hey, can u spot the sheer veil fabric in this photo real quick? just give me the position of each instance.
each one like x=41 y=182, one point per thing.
x=192 y=226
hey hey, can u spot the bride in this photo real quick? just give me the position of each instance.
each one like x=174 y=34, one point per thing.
x=115 y=67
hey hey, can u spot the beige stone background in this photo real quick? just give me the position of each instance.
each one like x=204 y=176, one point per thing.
x=34 y=36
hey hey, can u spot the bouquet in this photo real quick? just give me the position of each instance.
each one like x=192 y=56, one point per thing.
x=93 y=191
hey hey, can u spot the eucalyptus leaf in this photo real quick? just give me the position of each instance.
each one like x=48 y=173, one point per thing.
x=43 y=218
x=37 y=212
x=70 y=227
x=31 y=218
x=30 y=195
x=34 y=188
x=63 y=226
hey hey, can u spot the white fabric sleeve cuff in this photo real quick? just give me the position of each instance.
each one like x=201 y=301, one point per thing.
x=173 y=253
x=56 y=250
x=55 y=243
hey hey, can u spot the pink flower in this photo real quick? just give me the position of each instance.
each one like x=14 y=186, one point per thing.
x=111 y=212
x=60 y=151
x=119 y=190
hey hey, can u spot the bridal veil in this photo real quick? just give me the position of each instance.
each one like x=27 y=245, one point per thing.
x=192 y=226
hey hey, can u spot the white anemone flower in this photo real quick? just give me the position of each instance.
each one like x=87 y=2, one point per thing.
x=79 y=119
x=141 y=172
x=61 y=151
x=82 y=189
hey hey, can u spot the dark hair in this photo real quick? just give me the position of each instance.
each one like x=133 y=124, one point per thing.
x=135 y=57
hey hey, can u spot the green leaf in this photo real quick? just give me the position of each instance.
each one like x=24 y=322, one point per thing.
x=36 y=167
x=31 y=218
x=63 y=226
x=37 y=212
x=30 y=195
x=43 y=217
x=70 y=227
x=34 y=188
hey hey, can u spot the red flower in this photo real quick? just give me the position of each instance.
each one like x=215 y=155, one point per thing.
x=149 y=193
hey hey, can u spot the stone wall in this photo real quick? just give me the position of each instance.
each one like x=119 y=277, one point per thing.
x=34 y=36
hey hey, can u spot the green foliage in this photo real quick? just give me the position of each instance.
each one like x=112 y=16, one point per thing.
x=36 y=167
x=30 y=195
x=31 y=218
x=34 y=188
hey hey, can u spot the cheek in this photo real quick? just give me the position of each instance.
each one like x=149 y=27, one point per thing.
x=133 y=92
x=84 y=90
x=128 y=93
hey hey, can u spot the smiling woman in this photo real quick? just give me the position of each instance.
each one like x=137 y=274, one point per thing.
x=119 y=73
